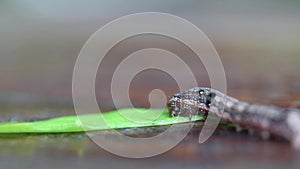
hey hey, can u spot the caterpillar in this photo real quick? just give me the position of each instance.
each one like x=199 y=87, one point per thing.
x=284 y=122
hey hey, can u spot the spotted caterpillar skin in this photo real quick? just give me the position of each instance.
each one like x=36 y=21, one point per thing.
x=283 y=122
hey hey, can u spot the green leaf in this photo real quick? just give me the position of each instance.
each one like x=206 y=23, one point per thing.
x=118 y=119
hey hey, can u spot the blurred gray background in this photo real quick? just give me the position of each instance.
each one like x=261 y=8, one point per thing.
x=258 y=42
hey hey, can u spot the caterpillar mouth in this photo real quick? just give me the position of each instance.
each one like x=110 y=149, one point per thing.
x=174 y=106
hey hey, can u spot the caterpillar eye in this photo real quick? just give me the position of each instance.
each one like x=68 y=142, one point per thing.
x=201 y=92
x=212 y=95
x=209 y=98
x=177 y=96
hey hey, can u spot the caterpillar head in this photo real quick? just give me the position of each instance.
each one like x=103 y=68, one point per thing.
x=191 y=102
